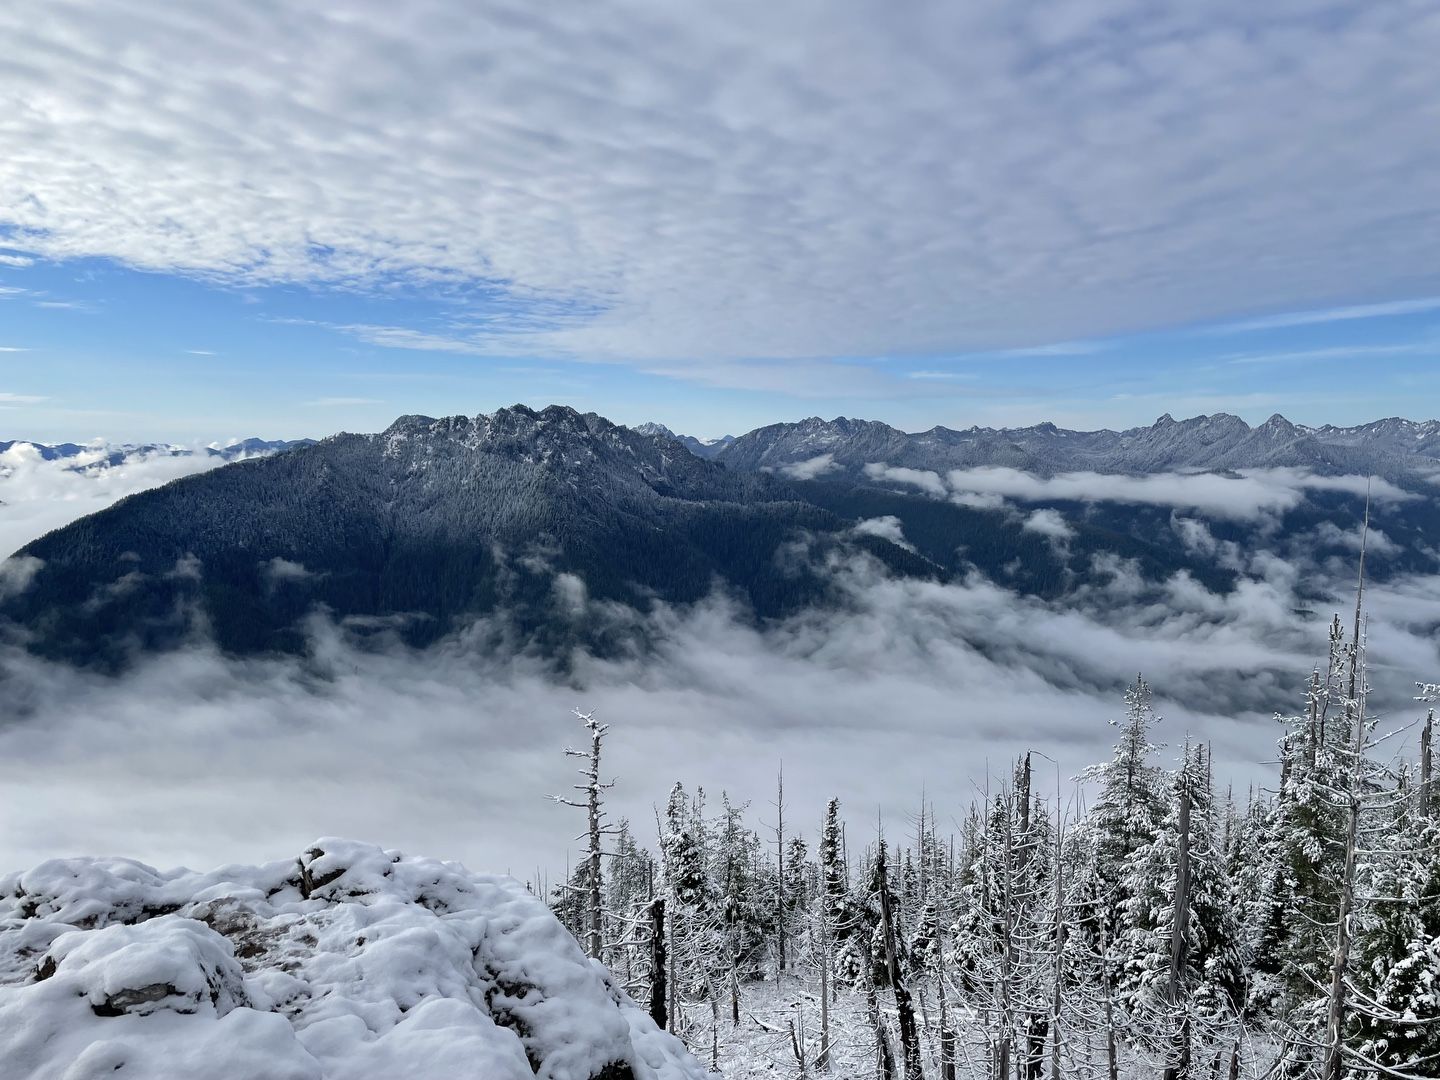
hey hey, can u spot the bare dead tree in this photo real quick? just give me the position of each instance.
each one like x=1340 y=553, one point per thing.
x=822 y=1056
x=1427 y=766
x=780 y=900
x=884 y=1056
x=593 y=789
x=1058 y=986
x=904 y=1006
x=1179 y=1007
x=659 y=990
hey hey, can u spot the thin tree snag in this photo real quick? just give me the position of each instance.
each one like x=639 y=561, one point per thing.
x=659 y=1007
x=909 y=1034
x=1180 y=1068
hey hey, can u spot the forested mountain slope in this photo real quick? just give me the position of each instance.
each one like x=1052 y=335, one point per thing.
x=421 y=526
x=560 y=529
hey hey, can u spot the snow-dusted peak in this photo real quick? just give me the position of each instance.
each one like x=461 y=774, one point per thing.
x=704 y=448
x=349 y=962
x=1217 y=441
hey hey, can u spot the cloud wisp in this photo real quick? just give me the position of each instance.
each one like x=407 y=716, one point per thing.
x=1388 y=310
x=1248 y=495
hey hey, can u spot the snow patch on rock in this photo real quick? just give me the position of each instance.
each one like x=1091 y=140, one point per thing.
x=348 y=962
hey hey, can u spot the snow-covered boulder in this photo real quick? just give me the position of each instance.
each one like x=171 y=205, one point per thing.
x=350 y=962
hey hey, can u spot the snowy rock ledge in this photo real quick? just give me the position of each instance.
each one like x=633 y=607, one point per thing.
x=349 y=963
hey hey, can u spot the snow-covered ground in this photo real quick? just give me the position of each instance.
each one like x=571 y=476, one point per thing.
x=350 y=962
x=761 y=1046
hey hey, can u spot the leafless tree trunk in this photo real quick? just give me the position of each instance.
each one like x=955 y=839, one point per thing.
x=822 y=1059
x=595 y=816
x=780 y=855
x=714 y=1023
x=947 y=1035
x=1427 y=767
x=1112 y=1055
x=1006 y=1010
x=671 y=996
x=884 y=1056
x=1180 y=1069
x=659 y=1005
x=1057 y=990
x=909 y=1035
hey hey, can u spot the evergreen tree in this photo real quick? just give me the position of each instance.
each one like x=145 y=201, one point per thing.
x=1397 y=1015
x=834 y=875
x=1303 y=839
x=1131 y=802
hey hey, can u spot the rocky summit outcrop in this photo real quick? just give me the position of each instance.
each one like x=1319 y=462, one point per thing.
x=350 y=963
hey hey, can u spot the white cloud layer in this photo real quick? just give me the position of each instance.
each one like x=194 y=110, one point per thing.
x=39 y=495
x=1247 y=495
x=196 y=759
x=644 y=181
x=810 y=468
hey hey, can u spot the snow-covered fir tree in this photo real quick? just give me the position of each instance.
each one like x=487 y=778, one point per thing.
x=1159 y=931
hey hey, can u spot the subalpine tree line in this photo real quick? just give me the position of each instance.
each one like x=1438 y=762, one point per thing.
x=1139 y=924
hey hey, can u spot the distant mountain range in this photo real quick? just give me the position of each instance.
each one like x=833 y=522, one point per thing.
x=809 y=448
x=552 y=524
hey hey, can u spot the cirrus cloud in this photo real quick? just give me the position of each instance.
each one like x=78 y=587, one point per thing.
x=635 y=181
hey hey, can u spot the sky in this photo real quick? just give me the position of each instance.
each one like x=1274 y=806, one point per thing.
x=300 y=217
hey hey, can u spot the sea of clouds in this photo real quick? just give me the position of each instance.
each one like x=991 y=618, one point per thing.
x=38 y=496
x=909 y=687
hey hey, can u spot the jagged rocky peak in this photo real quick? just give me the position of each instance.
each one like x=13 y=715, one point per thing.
x=844 y=425
x=1202 y=420
x=1277 y=427
x=514 y=420
x=517 y=430
x=1217 y=421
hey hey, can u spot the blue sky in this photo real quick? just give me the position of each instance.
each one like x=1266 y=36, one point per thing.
x=107 y=351
x=1091 y=214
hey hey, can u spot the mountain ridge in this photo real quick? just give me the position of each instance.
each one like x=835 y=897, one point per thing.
x=1217 y=442
x=421 y=528
x=560 y=530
